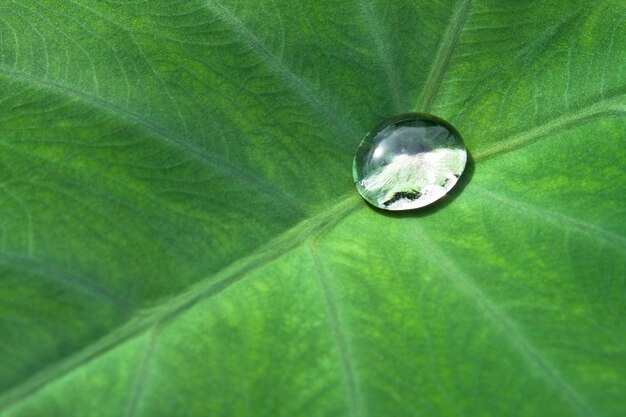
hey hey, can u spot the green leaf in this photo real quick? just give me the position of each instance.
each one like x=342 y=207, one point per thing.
x=180 y=234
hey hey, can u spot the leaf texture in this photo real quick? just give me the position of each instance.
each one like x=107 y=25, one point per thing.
x=180 y=234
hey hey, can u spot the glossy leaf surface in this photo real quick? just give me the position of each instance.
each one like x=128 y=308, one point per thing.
x=180 y=234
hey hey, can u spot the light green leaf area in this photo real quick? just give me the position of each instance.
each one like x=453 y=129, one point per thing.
x=180 y=234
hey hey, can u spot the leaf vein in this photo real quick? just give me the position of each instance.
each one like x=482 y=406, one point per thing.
x=66 y=279
x=170 y=308
x=441 y=63
x=286 y=74
x=338 y=333
x=142 y=374
x=604 y=107
x=168 y=136
x=384 y=52
x=557 y=219
x=506 y=326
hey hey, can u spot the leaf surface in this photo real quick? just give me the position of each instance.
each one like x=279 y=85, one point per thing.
x=180 y=234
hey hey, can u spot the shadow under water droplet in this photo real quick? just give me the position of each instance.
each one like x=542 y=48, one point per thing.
x=438 y=205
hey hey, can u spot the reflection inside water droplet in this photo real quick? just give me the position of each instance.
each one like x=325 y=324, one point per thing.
x=408 y=162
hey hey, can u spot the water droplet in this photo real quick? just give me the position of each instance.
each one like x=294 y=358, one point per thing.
x=408 y=162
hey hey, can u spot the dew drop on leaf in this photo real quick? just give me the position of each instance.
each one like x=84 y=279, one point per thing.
x=408 y=162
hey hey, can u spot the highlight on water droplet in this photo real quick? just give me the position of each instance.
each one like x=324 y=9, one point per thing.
x=408 y=162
